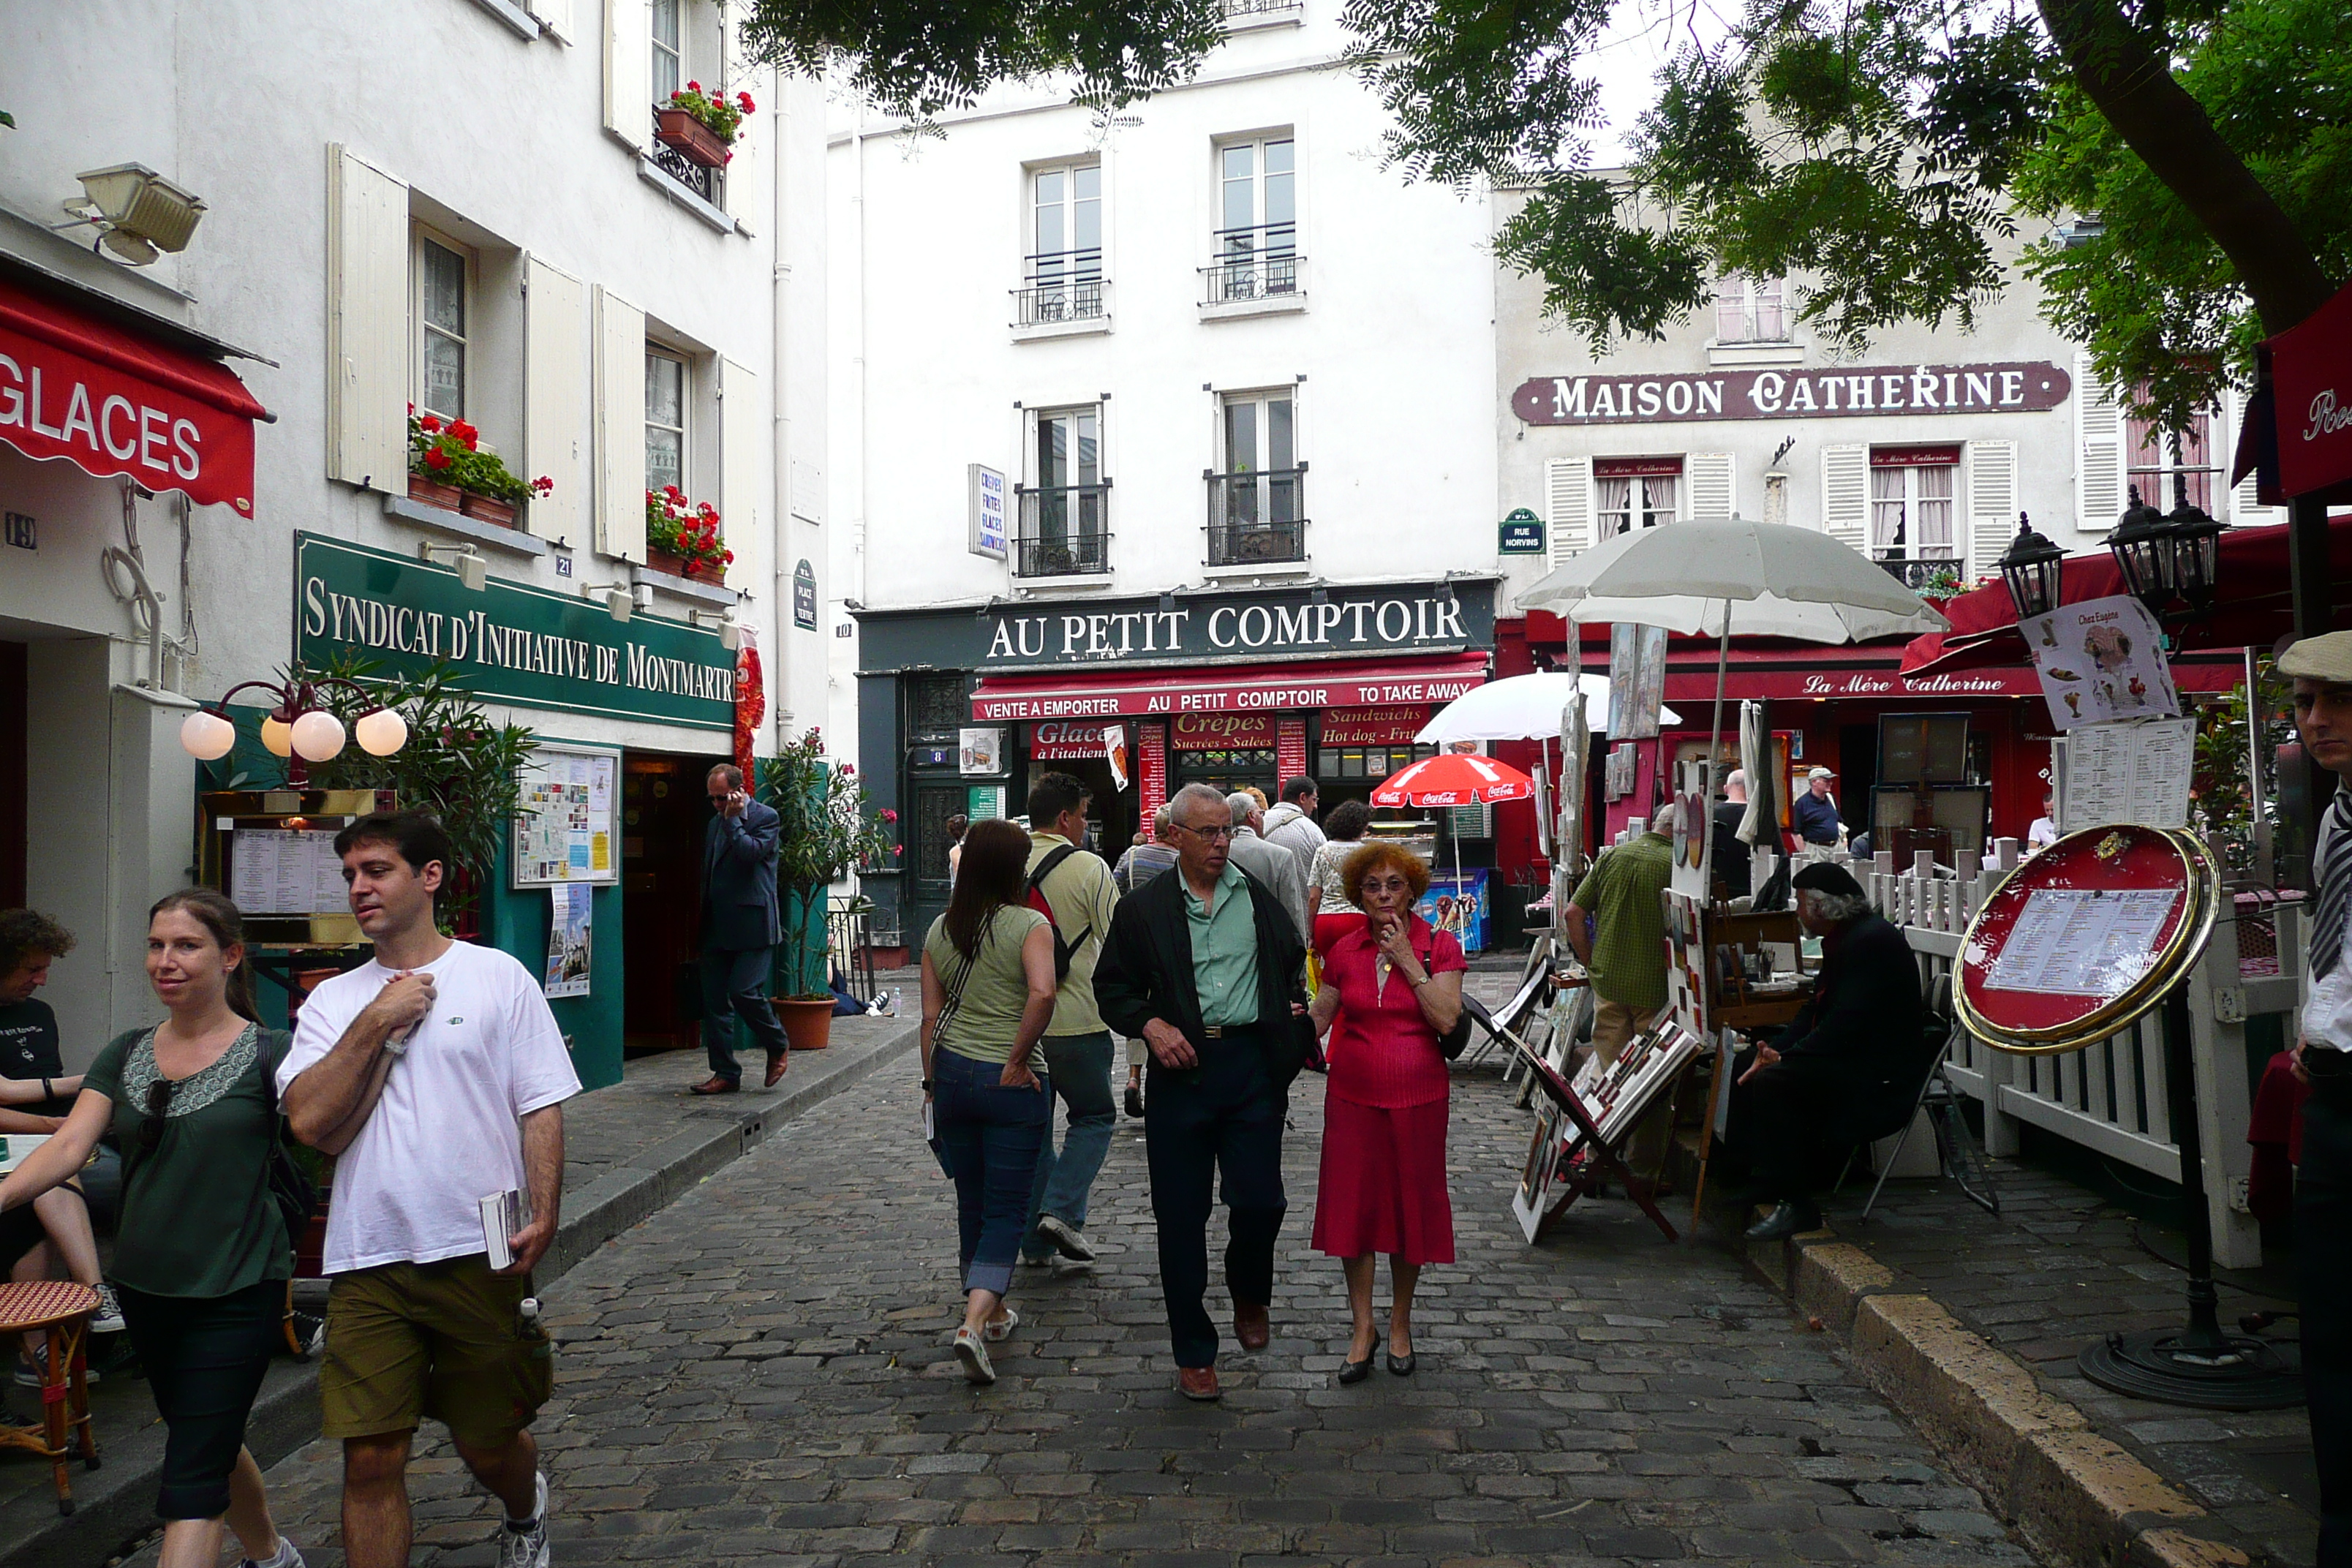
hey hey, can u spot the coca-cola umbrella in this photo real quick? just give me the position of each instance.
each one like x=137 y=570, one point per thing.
x=1455 y=778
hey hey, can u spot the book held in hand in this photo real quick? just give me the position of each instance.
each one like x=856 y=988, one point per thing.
x=501 y=1217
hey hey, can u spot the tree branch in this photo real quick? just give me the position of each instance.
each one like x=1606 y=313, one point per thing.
x=2118 y=69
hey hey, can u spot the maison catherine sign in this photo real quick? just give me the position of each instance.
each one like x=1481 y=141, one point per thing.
x=1828 y=392
x=510 y=642
x=1208 y=627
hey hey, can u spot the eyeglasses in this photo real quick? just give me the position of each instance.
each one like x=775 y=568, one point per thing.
x=1210 y=834
x=159 y=1106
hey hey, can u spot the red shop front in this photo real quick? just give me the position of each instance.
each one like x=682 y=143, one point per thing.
x=1827 y=702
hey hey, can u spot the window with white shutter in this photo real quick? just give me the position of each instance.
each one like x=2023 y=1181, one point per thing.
x=628 y=69
x=2154 y=457
x=555 y=399
x=2098 y=452
x=742 y=471
x=1993 y=503
x=367 y=324
x=1630 y=493
x=1710 y=476
x=558 y=16
x=1845 y=494
x=619 y=379
x=2244 y=510
x=1568 y=506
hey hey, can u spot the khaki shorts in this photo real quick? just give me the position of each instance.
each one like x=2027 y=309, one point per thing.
x=406 y=1340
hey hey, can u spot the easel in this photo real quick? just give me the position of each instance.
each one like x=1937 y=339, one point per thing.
x=1603 y=1160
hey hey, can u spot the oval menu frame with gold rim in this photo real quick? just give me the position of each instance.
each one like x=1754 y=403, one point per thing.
x=2110 y=858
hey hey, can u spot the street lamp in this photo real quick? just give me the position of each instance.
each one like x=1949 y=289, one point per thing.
x=2169 y=560
x=2196 y=550
x=2031 y=568
x=2142 y=547
x=299 y=726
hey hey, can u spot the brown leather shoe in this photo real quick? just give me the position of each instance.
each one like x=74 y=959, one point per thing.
x=1198 y=1382
x=714 y=1084
x=776 y=1060
x=1250 y=1326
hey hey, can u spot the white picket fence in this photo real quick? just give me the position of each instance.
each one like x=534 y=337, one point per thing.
x=2110 y=1097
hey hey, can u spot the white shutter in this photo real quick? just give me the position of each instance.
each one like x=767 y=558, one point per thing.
x=743 y=466
x=557 y=17
x=2245 y=511
x=1992 y=504
x=2098 y=451
x=1710 y=478
x=1846 y=495
x=1568 y=506
x=367 y=324
x=619 y=379
x=629 y=70
x=555 y=399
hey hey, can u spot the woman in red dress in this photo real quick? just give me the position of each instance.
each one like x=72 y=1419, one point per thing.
x=1394 y=986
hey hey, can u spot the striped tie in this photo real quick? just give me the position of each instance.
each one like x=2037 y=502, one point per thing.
x=2335 y=892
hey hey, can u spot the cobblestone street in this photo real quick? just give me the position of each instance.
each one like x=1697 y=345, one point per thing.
x=761 y=1372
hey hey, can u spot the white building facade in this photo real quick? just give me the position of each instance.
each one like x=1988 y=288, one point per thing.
x=461 y=209
x=1174 y=425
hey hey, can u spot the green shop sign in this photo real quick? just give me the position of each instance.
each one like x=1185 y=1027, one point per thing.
x=514 y=643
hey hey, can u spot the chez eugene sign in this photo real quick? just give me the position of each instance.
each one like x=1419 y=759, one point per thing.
x=510 y=643
x=2015 y=387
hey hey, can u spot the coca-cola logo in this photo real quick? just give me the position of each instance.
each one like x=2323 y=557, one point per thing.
x=2327 y=418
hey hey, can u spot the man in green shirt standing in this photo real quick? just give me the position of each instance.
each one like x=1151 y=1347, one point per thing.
x=1625 y=954
x=1206 y=968
x=1079 y=897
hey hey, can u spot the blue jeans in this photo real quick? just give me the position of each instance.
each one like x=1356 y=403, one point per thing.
x=991 y=1135
x=1080 y=1065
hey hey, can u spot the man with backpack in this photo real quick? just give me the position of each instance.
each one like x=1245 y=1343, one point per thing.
x=1071 y=887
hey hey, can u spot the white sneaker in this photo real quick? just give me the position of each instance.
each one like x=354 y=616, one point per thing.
x=526 y=1548
x=1065 y=1240
x=998 y=1330
x=108 y=1319
x=974 y=1356
x=289 y=1556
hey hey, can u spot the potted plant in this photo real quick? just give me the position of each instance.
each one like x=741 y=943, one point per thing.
x=826 y=830
x=448 y=469
x=701 y=126
x=683 y=537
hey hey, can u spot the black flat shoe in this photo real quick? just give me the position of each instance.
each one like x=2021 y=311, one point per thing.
x=1355 y=1370
x=1402 y=1365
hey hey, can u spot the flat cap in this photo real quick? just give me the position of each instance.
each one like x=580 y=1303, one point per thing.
x=1818 y=773
x=2325 y=657
x=1822 y=876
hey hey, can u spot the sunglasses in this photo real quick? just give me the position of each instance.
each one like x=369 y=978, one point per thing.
x=159 y=1106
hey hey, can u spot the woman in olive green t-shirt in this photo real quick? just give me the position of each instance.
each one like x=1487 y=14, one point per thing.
x=988 y=994
x=201 y=1256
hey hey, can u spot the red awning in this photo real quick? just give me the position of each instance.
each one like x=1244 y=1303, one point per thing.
x=2311 y=381
x=2255 y=611
x=112 y=400
x=1229 y=689
x=1878 y=677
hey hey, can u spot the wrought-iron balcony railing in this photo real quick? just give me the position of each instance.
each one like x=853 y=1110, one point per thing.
x=1917 y=571
x=1064 y=286
x=1064 y=531
x=1260 y=262
x=1252 y=10
x=1257 y=517
x=702 y=179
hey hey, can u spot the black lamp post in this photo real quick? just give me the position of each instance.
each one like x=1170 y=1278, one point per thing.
x=2032 y=567
x=2171 y=564
x=2142 y=546
x=2196 y=550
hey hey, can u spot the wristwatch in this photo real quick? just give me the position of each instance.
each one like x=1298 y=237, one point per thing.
x=396 y=1043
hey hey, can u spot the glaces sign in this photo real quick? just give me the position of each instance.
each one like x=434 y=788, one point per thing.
x=1830 y=392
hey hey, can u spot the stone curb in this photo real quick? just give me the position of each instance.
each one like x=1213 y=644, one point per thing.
x=116 y=1504
x=2076 y=1496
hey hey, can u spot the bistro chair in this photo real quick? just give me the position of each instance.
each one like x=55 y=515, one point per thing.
x=64 y=1310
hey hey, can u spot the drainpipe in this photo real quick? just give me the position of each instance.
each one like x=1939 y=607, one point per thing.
x=780 y=588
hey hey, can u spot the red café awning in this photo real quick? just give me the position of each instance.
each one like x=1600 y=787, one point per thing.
x=1233 y=688
x=2255 y=611
x=112 y=400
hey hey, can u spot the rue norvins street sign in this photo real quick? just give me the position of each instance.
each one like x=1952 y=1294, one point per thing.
x=510 y=642
x=1830 y=392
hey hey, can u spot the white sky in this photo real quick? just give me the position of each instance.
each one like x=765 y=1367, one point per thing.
x=1640 y=38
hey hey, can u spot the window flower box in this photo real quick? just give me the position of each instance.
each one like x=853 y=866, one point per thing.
x=676 y=566
x=448 y=469
x=487 y=509
x=689 y=138
x=700 y=126
x=428 y=491
x=682 y=537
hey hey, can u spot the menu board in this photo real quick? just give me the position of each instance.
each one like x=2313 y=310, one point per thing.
x=286 y=871
x=2135 y=773
x=2073 y=941
x=563 y=828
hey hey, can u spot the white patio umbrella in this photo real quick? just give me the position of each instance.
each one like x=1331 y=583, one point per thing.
x=1522 y=708
x=1757 y=579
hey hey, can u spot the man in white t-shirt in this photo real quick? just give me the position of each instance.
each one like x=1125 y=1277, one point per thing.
x=436 y=1076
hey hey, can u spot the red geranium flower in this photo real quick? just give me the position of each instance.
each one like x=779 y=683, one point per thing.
x=437 y=459
x=693 y=86
x=429 y=424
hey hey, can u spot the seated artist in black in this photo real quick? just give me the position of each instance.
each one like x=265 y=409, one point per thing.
x=1844 y=1069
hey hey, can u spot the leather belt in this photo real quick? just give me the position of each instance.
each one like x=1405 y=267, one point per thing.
x=1213 y=1031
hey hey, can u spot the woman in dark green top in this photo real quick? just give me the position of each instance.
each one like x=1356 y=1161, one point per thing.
x=201 y=1256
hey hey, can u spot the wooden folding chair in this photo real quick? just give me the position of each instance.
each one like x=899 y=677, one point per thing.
x=63 y=1309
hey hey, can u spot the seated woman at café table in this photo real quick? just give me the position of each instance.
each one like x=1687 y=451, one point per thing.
x=1849 y=1063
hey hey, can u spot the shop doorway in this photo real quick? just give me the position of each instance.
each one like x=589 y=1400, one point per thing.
x=1227 y=770
x=1111 y=812
x=11 y=774
x=661 y=815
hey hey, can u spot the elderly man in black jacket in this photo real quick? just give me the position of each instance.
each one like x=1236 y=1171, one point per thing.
x=1205 y=967
x=1847 y=1066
